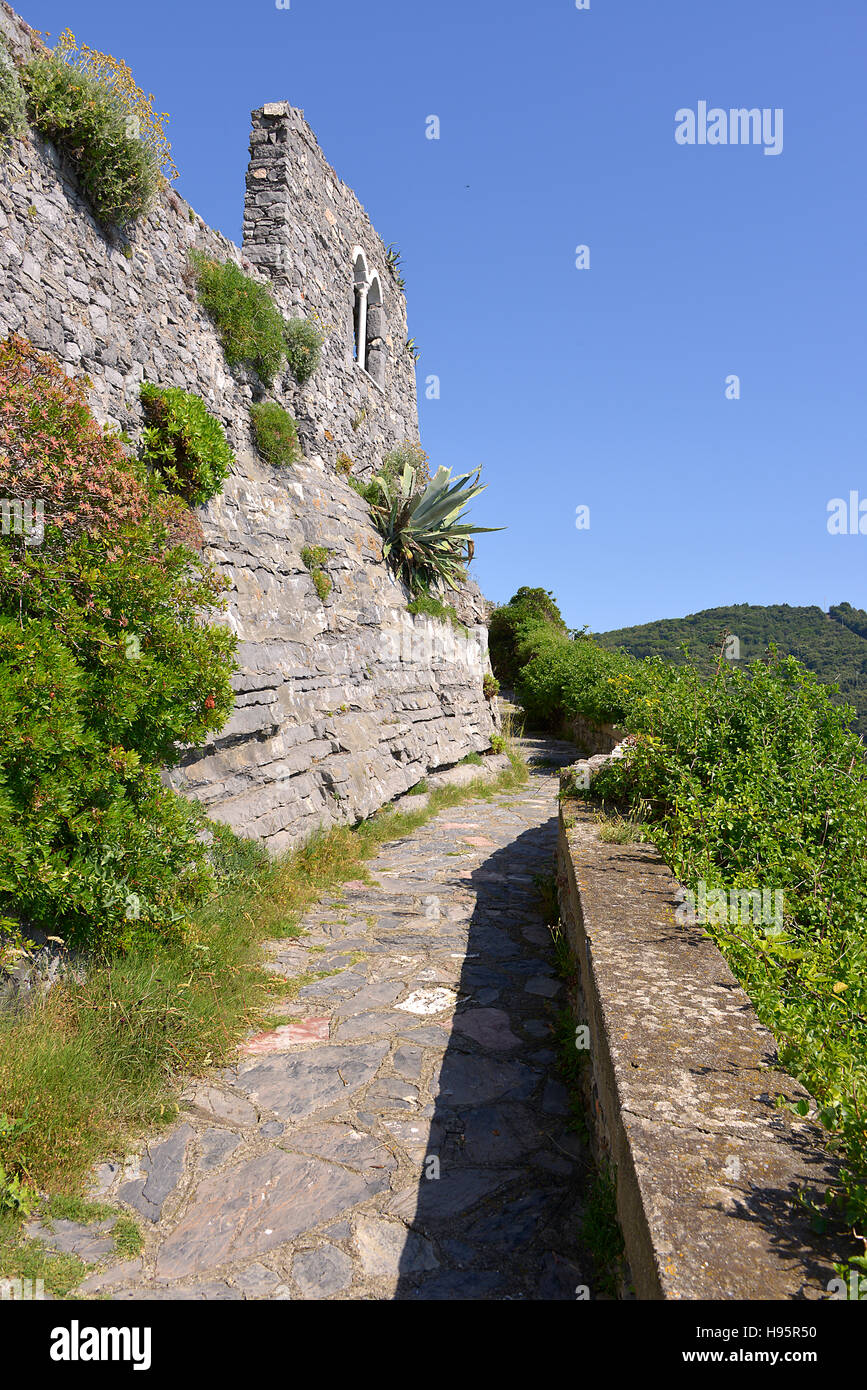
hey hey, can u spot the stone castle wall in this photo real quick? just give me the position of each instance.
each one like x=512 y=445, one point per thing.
x=340 y=705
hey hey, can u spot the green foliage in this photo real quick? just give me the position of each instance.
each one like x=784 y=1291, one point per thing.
x=314 y=558
x=17 y=1198
x=107 y=672
x=490 y=686
x=92 y=126
x=397 y=459
x=393 y=261
x=498 y=743
x=250 y=325
x=601 y=1231
x=754 y=779
x=424 y=534
x=303 y=346
x=13 y=111
x=833 y=644
x=276 y=434
x=558 y=677
x=435 y=608
x=475 y=759
x=510 y=623
x=184 y=445
x=369 y=491
x=344 y=463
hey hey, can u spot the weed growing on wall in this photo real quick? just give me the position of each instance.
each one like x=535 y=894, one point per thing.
x=315 y=558
x=88 y=105
x=13 y=112
x=250 y=325
x=303 y=343
x=276 y=433
x=431 y=607
x=184 y=446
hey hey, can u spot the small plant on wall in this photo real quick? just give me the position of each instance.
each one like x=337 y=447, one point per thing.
x=314 y=558
x=423 y=529
x=183 y=445
x=276 y=433
x=88 y=104
x=13 y=113
x=303 y=348
x=250 y=325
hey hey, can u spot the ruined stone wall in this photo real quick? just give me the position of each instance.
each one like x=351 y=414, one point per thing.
x=341 y=705
x=303 y=228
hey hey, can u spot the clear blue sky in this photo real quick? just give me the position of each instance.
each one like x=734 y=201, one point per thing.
x=606 y=386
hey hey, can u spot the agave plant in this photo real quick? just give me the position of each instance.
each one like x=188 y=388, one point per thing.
x=424 y=534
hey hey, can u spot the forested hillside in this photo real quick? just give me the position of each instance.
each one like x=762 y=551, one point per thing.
x=833 y=644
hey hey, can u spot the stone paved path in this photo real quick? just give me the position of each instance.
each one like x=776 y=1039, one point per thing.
x=409 y=1139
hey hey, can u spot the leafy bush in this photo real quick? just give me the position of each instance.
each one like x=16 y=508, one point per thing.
x=115 y=76
x=53 y=451
x=181 y=524
x=91 y=123
x=248 y=321
x=276 y=433
x=184 y=445
x=558 y=678
x=424 y=534
x=490 y=686
x=510 y=623
x=13 y=112
x=344 y=463
x=303 y=345
x=107 y=672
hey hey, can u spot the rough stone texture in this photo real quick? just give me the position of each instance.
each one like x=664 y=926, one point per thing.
x=343 y=705
x=683 y=1083
x=423 y=1163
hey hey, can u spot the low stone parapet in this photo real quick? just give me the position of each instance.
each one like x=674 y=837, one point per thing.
x=684 y=1084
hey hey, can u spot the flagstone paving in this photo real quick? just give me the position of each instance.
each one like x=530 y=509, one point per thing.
x=404 y=1134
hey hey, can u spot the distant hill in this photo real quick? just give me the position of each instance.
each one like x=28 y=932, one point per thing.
x=833 y=644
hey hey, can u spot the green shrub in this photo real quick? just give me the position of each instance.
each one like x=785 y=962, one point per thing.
x=314 y=558
x=510 y=623
x=248 y=321
x=184 y=446
x=276 y=433
x=303 y=346
x=490 y=686
x=90 y=124
x=107 y=673
x=13 y=111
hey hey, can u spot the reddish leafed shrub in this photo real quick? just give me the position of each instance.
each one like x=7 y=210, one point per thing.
x=53 y=451
x=182 y=525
